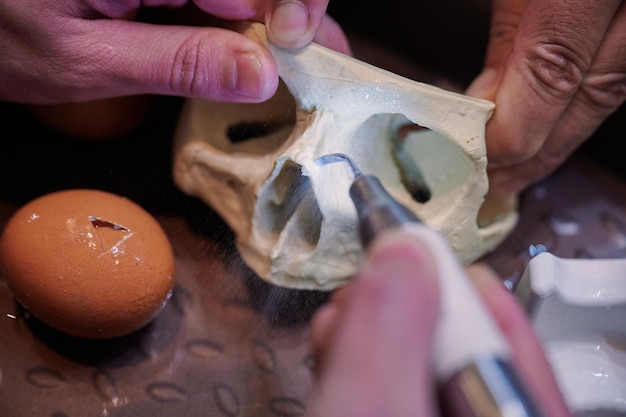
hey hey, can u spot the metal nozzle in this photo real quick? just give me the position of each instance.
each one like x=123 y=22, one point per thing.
x=377 y=211
x=339 y=157
x=410 y=174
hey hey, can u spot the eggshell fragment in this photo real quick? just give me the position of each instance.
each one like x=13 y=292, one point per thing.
x=88 y=263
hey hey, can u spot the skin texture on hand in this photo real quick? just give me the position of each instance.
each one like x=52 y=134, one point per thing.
x=372 y=341
x=84 y=50
x=556 y=70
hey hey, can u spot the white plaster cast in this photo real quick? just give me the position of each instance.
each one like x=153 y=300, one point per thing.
x=300 y=231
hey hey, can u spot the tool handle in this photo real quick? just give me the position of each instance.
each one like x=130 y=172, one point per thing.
x=466 y=331
x=471 y=356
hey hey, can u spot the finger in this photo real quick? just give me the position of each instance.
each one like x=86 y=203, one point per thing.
x=379 y=352
x=554 y=46
x=528 y=354
x=601 y=93
x=512 y=180
x=322 y=329
x=137 y=58
x=293 y=23
x=505 y=19
x=325 y=321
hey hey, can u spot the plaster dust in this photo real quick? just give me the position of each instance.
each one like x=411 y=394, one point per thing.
x=246 y=162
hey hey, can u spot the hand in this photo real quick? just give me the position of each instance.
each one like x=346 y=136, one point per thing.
x=83 y=50
x=372 y=341
x=556 y=70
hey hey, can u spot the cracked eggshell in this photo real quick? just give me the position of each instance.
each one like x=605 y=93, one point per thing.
x=88 y=263
x=301 y=231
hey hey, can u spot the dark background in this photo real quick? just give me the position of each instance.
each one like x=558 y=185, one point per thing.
x=446 y=37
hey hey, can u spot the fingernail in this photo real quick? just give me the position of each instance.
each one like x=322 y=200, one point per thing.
x=249 y=77
x=289 y=21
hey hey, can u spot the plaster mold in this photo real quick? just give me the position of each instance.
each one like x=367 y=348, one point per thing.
x=299 y=231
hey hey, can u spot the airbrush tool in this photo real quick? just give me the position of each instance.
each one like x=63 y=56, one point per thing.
x=471 y=357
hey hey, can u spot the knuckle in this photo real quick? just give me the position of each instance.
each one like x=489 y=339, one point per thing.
x=517 y=150
x=557 y=70
x=508 y=147
x=605 y=92
x=190 y=71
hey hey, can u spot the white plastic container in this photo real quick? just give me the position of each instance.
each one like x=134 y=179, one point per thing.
x=578 y=309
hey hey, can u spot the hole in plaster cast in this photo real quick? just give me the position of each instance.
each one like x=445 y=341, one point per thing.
x=251 y=130
x=430 y=166
x=261 y=128
x=247 y=162
x=443 y=164
x=290 y=204
x=410 y=173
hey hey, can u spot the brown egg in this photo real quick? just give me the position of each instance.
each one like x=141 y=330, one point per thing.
x=88 y=263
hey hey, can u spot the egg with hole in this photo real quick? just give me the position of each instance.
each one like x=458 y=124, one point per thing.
x=88 y=263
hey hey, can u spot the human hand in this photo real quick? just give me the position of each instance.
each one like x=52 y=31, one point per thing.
x=83 y=50
x=556 y=70
x=373 y=340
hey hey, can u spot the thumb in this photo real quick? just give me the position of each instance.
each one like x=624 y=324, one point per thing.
x=378 y=353
x=210 y=63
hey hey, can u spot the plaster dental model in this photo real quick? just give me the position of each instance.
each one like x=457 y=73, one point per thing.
x=247 y=161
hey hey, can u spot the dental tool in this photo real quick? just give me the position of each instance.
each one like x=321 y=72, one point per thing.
x=471 y=357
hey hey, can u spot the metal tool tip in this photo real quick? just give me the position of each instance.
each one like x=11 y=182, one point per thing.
x=338 y=157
